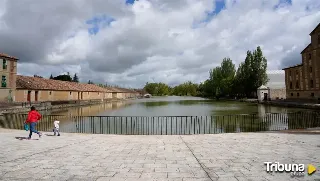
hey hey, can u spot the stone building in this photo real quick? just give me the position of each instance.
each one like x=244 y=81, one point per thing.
x=275 y=88
x=37 y=89
x=18 y=88
x=8 y=72
x=302 y=80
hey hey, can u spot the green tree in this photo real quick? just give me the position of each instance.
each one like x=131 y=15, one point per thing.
x=251 y=74
x=221 y=78
x=63 y=78
x=75 y=78
x=259 y=68
x=51 y=77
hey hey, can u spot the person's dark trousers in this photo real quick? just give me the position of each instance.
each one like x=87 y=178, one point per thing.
x=33 y=129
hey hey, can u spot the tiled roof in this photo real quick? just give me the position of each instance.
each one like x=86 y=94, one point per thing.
x=36 y=83
x=8 y=56
x=114 y=89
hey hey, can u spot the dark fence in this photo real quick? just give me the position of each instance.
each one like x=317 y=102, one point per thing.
x=170 y=125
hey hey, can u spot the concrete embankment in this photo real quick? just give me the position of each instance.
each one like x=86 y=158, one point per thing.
x=48 y=106
x=292 y=104
x=281 y=103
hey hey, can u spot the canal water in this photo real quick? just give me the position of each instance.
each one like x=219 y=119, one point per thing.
x=172 y=106
x=171 y=115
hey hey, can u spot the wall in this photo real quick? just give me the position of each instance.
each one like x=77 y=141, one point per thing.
x=114 y=95
x=277 y=93
x=4 y=95
x=10 y=72
x=96 y=95
x=303 y=95
x=260 y=94
x=60 y=95
x=108 y=95
x=86 y=95
x=20 y=95
x=121 y=95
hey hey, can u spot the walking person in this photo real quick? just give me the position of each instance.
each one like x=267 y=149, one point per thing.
x=56 y=128
x=33 y=117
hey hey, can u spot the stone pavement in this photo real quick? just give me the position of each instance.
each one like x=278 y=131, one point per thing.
x=222 y=157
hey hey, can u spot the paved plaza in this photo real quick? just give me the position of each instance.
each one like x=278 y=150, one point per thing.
x=223 y=157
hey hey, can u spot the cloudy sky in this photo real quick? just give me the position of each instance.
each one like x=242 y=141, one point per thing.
x=129 y=43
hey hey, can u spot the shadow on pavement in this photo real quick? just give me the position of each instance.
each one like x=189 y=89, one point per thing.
x=24 y=138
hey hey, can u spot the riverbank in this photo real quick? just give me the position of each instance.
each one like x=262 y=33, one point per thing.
x=280 y=103
x=46 y=106
x=292 y=104
x=231 y=157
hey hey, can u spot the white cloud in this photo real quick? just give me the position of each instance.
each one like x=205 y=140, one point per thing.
x=155 y=40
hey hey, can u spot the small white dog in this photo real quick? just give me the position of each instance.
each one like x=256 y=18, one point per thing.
x=56 y=127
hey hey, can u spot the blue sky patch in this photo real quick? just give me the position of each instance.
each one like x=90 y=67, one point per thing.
x=99 y=22
x=283 y=2
x=130 y=1
x=219 y=6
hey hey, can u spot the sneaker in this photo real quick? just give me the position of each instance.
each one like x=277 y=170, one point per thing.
x=58 y=134
x=28 y=138
x=40 y=134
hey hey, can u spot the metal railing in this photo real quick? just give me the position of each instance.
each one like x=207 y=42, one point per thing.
x=170 y=125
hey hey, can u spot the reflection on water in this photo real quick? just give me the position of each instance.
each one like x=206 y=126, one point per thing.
x=157 y=115
x=172 y=125
x=171 y=106
x=91 y=110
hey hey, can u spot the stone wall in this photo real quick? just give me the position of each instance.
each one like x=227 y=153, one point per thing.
x=277 y=94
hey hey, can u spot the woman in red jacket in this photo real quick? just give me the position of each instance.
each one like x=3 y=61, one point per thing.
x=33 y=118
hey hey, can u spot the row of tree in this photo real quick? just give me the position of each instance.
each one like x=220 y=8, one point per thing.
x=161 y=89
x=75 y=78
x=66 y=77
x=223 y=81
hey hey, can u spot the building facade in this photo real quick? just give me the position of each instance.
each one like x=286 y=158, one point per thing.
x=18 y=88
x=302 y=80
x=8 y=73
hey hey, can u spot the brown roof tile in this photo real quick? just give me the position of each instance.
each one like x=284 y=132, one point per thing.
x=36 y=83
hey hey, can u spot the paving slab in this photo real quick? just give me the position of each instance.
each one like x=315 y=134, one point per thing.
x=233 y=156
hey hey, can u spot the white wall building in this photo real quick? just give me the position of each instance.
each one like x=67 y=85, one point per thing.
x=275 y=88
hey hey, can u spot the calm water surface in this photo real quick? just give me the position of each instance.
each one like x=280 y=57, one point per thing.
x=189 y=115
x=172 y=106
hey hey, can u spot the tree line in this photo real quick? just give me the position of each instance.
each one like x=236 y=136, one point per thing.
x=75 y=78
x=223 y=81
x=66 y=77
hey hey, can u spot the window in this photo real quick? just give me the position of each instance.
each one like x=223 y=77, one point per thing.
x=318 y=39
x=70 y=93
x=297 y=72
x=310 y=69
x=4 y=64
x=289 y=72
x=311 y=83
x=88 y=92
x=309 y=56
x=297 y=85
x=290 y=85
x=50 y=93
x=298 y=94
x=4 y=81
x=291 y=94
x=312 y=94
